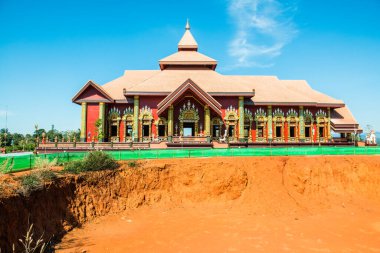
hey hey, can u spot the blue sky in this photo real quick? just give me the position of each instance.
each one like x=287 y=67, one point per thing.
x=50 y=49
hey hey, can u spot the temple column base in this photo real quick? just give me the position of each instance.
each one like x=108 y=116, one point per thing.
x=170 y=138
x=83 y=139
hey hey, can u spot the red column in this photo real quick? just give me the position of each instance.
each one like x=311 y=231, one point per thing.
x=286 y=133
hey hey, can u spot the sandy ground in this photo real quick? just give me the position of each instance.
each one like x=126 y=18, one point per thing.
x=266 y=217
x=209 y=229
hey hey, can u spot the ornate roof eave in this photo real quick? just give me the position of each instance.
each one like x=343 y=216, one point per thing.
x=96 y=86
x=312 y=104
x=153 y=93
x=189 y=85
x=346 y=128
x=165 y=64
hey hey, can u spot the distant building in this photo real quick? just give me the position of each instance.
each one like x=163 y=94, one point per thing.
x=187 y=99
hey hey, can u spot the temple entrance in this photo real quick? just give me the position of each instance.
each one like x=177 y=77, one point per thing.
x=188 y=119
x=188 y=129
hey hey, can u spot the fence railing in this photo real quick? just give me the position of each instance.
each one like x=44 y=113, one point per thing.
x=18 y=163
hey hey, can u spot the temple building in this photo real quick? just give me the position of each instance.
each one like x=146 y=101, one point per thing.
x=186 y=100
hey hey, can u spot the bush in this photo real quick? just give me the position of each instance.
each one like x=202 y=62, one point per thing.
x=74 y=167
x=29 y=183
x=44 y=163
x=96 y=160
x=36 y=179
x=45 y=174
x=132 y=164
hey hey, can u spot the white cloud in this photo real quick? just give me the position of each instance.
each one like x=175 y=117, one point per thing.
x=264 y=27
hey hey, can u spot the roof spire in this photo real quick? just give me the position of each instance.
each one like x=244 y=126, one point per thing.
x=187 y=42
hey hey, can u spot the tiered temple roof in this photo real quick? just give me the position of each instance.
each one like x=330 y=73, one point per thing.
x=187 y=63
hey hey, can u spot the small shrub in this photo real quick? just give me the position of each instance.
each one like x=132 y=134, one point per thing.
x=74 y=167
x=29 y=183
x=96 y=160
x=45 y=174
x=132 y=164
x=35 y=180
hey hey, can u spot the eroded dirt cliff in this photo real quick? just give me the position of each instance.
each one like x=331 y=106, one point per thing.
x=263 y=185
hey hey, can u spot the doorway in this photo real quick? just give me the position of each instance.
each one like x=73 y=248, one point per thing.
x=188 y=129
x=161 y=130
x=278 y=131
x=231 y=131
x=145 y=131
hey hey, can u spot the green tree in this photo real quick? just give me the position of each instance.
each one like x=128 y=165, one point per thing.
x=99 y=131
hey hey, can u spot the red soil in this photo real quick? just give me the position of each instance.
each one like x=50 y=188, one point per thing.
x=281 y=204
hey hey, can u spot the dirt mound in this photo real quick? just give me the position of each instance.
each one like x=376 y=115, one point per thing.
x=258 y=185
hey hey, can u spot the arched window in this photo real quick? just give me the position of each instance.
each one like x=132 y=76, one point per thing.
x=308 y=118
x=292 y=119
x=321 y=118
x=114 y=124
x=145 y=118
x=278 y=124
x=261 y=125
x=162 y=126
x=128 y=124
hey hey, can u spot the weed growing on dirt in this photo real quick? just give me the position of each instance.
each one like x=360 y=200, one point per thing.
x=6 y=166
x=132 y=164
x=94 y=161
x=44 y=163
x=28 y=244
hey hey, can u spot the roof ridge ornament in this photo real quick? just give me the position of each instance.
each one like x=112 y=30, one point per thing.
x=187 y=42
